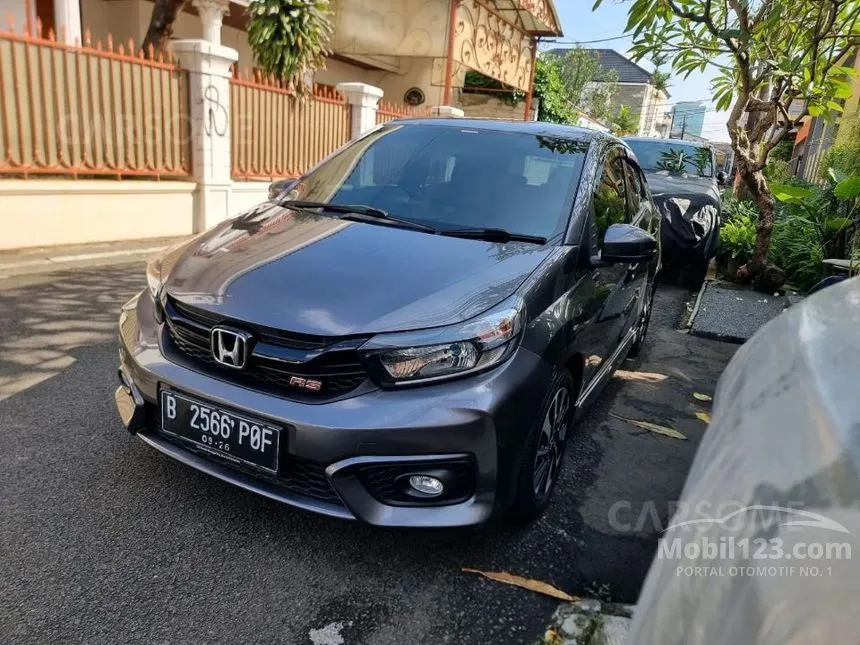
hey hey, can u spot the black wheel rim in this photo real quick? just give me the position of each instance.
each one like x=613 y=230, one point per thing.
x=553 y=432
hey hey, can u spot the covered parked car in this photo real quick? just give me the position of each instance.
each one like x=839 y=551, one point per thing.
x=685 y=187
x=406 y=336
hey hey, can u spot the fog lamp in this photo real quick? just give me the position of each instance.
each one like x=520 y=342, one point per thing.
x=427 y=485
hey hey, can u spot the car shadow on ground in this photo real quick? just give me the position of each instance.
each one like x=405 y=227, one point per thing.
x=122 y=540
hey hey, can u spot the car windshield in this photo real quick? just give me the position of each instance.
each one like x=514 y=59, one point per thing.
x=454 y=177
x=674 y=158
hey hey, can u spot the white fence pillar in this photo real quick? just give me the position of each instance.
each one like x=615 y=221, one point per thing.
x=364 y=101
x=211 y=15
x=208 y=68
x=67 y=15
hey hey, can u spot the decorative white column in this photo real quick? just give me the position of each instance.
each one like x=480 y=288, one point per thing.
x=208 y=68
x=211 y=15
x=364 y=100
x=446 y=111
x=67 y=16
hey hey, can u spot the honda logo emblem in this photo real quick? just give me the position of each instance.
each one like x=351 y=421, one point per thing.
x=230 y=347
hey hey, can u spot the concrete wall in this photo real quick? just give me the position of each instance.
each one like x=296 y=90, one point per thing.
x=401 y=28
x=17 y=11
x=125 y=19
x=489 y=107
x=632 y=95
x=47 y=212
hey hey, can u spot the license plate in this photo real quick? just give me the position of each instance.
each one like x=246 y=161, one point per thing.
x=227 y=434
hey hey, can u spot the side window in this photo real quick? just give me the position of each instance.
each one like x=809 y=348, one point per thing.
x=634 y=188
x=610 y=201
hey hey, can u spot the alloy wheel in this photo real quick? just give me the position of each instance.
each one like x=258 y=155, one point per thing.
x=551 y=443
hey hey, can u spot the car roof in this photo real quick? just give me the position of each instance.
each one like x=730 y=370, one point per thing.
x=537 y=128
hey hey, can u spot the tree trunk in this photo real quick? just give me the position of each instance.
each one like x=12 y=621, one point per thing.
x=738 y=186
x=161 y=24
x=760 y=192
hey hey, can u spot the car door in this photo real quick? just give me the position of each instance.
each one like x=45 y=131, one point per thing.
x=641 y=212
x=604 y=303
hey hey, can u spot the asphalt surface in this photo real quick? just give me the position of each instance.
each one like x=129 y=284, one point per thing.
x=734 y=315
x=103 y=540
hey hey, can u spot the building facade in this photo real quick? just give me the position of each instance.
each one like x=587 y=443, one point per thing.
x=101 y=142
x=635 y=89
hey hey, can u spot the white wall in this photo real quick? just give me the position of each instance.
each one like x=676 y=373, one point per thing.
x=247 y=194
x=47 y=212
x=17 y=10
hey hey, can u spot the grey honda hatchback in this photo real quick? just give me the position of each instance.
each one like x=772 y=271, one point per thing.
x=405 y=335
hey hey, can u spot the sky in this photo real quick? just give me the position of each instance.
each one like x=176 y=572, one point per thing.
x=580 y=24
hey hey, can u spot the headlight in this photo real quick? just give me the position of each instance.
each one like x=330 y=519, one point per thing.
x=447 y=352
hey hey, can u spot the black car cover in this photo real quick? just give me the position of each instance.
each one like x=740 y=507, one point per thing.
x=690 y=208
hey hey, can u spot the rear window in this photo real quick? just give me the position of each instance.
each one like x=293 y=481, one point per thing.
x=452 y=177
x=673 y=158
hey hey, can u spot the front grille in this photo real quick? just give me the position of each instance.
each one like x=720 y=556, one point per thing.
x=263 y=334
x=339 y=368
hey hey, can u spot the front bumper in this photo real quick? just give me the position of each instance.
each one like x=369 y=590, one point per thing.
x=482 y=419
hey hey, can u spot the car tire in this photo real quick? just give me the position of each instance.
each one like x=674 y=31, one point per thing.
x=537 y=474
x=643 y=322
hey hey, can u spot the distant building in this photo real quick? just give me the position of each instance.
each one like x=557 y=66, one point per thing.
x=635 y=90
x=689 y=118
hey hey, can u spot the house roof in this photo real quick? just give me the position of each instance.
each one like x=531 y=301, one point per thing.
x=609 y=59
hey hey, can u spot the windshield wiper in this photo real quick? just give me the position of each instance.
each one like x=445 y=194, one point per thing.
x=492 y=235
x=356 y=209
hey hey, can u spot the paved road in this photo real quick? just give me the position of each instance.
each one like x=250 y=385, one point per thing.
x=105 y=541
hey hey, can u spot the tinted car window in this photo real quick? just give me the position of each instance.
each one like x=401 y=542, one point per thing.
x=451 y=177
x=634 y=188
x=673 y=157
x=610 y=203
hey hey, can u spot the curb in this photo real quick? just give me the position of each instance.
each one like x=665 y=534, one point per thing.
x=590 y=622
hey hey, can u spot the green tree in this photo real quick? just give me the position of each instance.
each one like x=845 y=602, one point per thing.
x=660 y=80
x=551 y=91
x=768 y=55
x=289 y=37
x=625 y=122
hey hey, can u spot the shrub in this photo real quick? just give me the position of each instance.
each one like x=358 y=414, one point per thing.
x=737 y=239
x=777 y=170
x=733 y=207
x=796 y=247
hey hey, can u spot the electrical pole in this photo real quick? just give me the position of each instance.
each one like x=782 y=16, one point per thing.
x=684 y=126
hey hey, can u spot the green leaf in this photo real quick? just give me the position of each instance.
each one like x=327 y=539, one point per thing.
x=848 y=188
x=786 y=193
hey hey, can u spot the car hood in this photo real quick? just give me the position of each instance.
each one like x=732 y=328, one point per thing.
x=699 y=190
x=320 y=275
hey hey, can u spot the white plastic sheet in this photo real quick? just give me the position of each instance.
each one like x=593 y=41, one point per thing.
x=785 y=434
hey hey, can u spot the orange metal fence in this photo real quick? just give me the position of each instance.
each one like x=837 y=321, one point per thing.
x=276 y=134
x=91 y=110
x=389 y=111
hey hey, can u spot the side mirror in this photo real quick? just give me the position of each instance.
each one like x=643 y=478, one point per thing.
x=628 y=244
x=721 y=178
